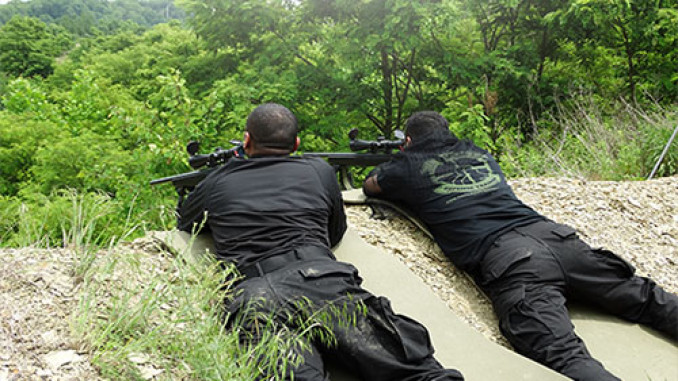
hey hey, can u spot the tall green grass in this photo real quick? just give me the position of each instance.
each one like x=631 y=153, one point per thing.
x=66 y=218
x=140 y=314
x=610 y=142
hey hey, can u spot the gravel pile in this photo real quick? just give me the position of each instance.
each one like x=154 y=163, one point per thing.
x=637 y=220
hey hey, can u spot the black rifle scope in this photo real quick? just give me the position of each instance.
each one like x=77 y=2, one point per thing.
x=375 y=146
x=219 y=156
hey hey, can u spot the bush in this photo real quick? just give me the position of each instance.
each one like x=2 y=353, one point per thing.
x=21 y=136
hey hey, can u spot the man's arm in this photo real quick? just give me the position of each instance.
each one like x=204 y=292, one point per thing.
x=193 y=211
x=388 y=180
x=337 y=223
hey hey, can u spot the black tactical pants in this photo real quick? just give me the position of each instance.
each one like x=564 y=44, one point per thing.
x=376 y=345
x=529 y=274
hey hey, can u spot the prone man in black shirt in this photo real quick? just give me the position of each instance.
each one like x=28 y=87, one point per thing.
x=276 y=217
x=527 y=265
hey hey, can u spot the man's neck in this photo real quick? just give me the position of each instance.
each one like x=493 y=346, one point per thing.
x=264 y=151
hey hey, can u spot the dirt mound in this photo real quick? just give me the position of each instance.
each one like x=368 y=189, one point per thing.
x=637 y=220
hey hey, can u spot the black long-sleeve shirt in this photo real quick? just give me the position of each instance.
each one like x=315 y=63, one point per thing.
x=259 y=207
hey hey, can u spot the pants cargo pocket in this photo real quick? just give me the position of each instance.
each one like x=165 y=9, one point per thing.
x=496 y=266
x=330 y=270
x=564 y=232
x=503 y=299
x=506 y=252
x=410 y=337
x=536 y=322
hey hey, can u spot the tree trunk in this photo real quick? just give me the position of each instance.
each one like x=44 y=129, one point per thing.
x=631 y=70
x=387 y=90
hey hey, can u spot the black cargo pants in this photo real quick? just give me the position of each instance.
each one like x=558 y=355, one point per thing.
x=530 y=272
x=377 y=345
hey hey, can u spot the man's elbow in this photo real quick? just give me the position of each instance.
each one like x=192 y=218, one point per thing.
x=186 y=227
x=371 y=186
x=337 y=236
x=193 y=225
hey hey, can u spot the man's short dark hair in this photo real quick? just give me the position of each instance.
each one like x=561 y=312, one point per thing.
x=273 y=126
x=423 y=123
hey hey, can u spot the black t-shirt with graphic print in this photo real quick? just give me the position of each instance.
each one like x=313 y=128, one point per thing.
x=459 y=191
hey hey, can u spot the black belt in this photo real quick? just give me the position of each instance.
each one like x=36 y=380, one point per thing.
x=278 y=261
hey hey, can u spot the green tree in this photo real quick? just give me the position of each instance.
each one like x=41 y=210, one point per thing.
x=381 y=52
x=28 y=46
x=89 y=17
x=20 y=137
x=358 y=59
x=640 y=35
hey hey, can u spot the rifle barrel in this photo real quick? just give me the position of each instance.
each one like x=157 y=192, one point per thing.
x=352 y=159
x=183 y=179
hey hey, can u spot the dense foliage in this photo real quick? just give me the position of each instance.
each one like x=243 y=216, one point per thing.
x=102 y=96
x=90 y=17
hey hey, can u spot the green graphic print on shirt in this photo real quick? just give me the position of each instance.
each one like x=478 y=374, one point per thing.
x=461 y=174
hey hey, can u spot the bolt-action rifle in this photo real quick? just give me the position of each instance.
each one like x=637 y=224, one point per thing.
x=203 y=164
x=366 y=153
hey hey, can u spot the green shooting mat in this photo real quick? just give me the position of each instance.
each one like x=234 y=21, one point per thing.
x=630 y=351
x=457 y=345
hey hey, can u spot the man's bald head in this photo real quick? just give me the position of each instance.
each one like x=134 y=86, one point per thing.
x=273 y=126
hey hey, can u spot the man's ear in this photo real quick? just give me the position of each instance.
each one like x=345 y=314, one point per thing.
x=246 y=140
x=296 y=144
x=247 y=143
x=408 y=141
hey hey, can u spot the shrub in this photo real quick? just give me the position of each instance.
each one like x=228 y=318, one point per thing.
x=21 y=136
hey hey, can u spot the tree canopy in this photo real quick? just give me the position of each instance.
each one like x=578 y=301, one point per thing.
x=102 y=96
x=86 y=17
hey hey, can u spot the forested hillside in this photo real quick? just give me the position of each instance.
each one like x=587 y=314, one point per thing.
x=88 y=17
x=99 y=97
